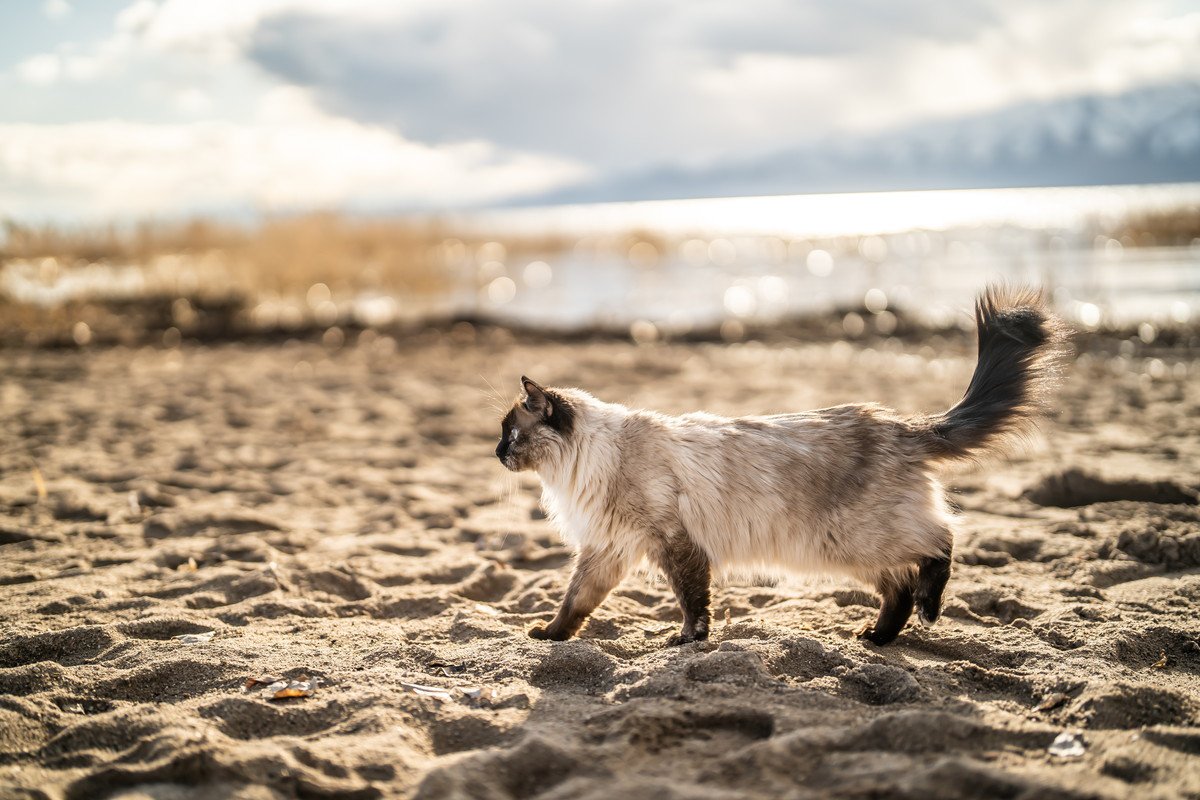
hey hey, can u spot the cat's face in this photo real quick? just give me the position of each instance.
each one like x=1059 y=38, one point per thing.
x=534 y=429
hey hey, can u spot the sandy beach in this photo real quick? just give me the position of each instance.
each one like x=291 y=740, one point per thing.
x=334 y=516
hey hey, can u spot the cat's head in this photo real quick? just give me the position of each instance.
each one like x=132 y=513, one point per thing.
x=536 y=428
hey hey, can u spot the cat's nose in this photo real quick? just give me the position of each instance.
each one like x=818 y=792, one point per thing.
x=500 y=449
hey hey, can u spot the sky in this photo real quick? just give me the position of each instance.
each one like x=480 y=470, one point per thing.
x=123 y=109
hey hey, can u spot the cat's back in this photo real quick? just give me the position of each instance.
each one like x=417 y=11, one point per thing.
x=854 y=422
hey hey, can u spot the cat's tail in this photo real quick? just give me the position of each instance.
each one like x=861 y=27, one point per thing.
x=1020 y=342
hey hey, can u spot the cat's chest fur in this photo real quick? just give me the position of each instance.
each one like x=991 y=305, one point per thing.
x=573 y=520
x=585 y=503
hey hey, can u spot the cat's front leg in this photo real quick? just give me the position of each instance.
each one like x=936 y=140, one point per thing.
x=687 y=568
x=597 y=572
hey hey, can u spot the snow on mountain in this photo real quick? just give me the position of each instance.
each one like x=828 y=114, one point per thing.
x=1147 y=135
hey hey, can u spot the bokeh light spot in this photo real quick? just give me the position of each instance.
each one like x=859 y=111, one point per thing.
x=501 y=290
x=819 y=263
x=537 y=274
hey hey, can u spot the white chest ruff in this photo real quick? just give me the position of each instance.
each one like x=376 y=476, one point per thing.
x=573 y=522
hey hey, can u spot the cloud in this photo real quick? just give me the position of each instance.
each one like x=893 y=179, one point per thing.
x=618 y=83
x=214 y=31
x=40 y=70
x=56 y=9
x=292 y=156
x=454 y=102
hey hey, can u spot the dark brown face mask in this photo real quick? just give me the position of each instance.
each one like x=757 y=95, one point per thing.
x=537 y=408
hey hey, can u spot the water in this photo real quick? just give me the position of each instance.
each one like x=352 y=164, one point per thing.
x=703 y=262
x=673 y=266
x=826 y=215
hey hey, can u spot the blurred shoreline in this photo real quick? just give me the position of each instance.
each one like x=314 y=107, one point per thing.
x=151 y=323
x=1122 y=261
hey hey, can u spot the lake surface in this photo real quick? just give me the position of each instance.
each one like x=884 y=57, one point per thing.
x=666 y=267
x=699 y=262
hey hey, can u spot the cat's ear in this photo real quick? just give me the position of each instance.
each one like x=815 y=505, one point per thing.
x=536 y=400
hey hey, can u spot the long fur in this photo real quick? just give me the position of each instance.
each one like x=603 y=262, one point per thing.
x=1019 y=346
x=849 y=490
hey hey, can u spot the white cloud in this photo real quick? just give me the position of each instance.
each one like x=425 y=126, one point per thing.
x=621 y=83
x=221 y=27
x=41 y=70
x=461 y=101
x=134 y=18
x=56 y=9
x=193 y=101
x=292 y=157
x=611 y=80
x=217 y=31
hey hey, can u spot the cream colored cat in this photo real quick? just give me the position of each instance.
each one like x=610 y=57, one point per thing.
x=849 y=490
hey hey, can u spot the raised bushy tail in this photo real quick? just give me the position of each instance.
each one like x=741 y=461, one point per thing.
x=1019 y=344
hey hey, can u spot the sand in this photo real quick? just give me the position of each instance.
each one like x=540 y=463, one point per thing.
x=338 y=515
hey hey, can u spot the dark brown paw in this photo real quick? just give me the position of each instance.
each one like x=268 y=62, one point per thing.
x=687 y=637
x=546 y=634
x=876 y=638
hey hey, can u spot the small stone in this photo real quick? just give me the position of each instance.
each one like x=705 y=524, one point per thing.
x=1067 y=745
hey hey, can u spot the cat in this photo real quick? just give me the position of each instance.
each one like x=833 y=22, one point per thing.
x=849 y=490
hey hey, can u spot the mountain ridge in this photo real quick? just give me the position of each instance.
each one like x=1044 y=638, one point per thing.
x=1146 y=135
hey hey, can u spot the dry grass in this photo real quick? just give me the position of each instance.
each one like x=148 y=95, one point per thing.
x=112 y=243
x=348 y=255
x=1174 y=228
x=119 y=281
x=283 y=256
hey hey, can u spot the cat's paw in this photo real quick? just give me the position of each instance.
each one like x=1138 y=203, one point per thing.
x=544 y=633
x=687 y=637
x=868 y=633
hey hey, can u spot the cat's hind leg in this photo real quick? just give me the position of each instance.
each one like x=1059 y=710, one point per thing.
x=932 y=575
x=689 y=573
x=896 y=587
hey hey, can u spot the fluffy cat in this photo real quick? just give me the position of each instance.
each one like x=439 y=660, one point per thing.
x=849 y=490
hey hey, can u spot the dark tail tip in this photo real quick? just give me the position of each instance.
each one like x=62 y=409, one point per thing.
x=1020 y=342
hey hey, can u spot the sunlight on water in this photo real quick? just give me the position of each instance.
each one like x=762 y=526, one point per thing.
x=657 y=269
x=822 y=215
x=729 y=260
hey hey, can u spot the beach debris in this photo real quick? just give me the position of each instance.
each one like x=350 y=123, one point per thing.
x=1067 y=745
x=657 y=630
x=486 y=609
x=467 y=694
x=1162 y=660
x=440 y=692
x=478 y=695
x=195 y=638
x=134 y=506
x=39 y=484
x=728 y=615
x=276 y=687
x=284 y=689
x=447 y=668
x=1052 y=701
x=262 y=680
x=188 y=566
